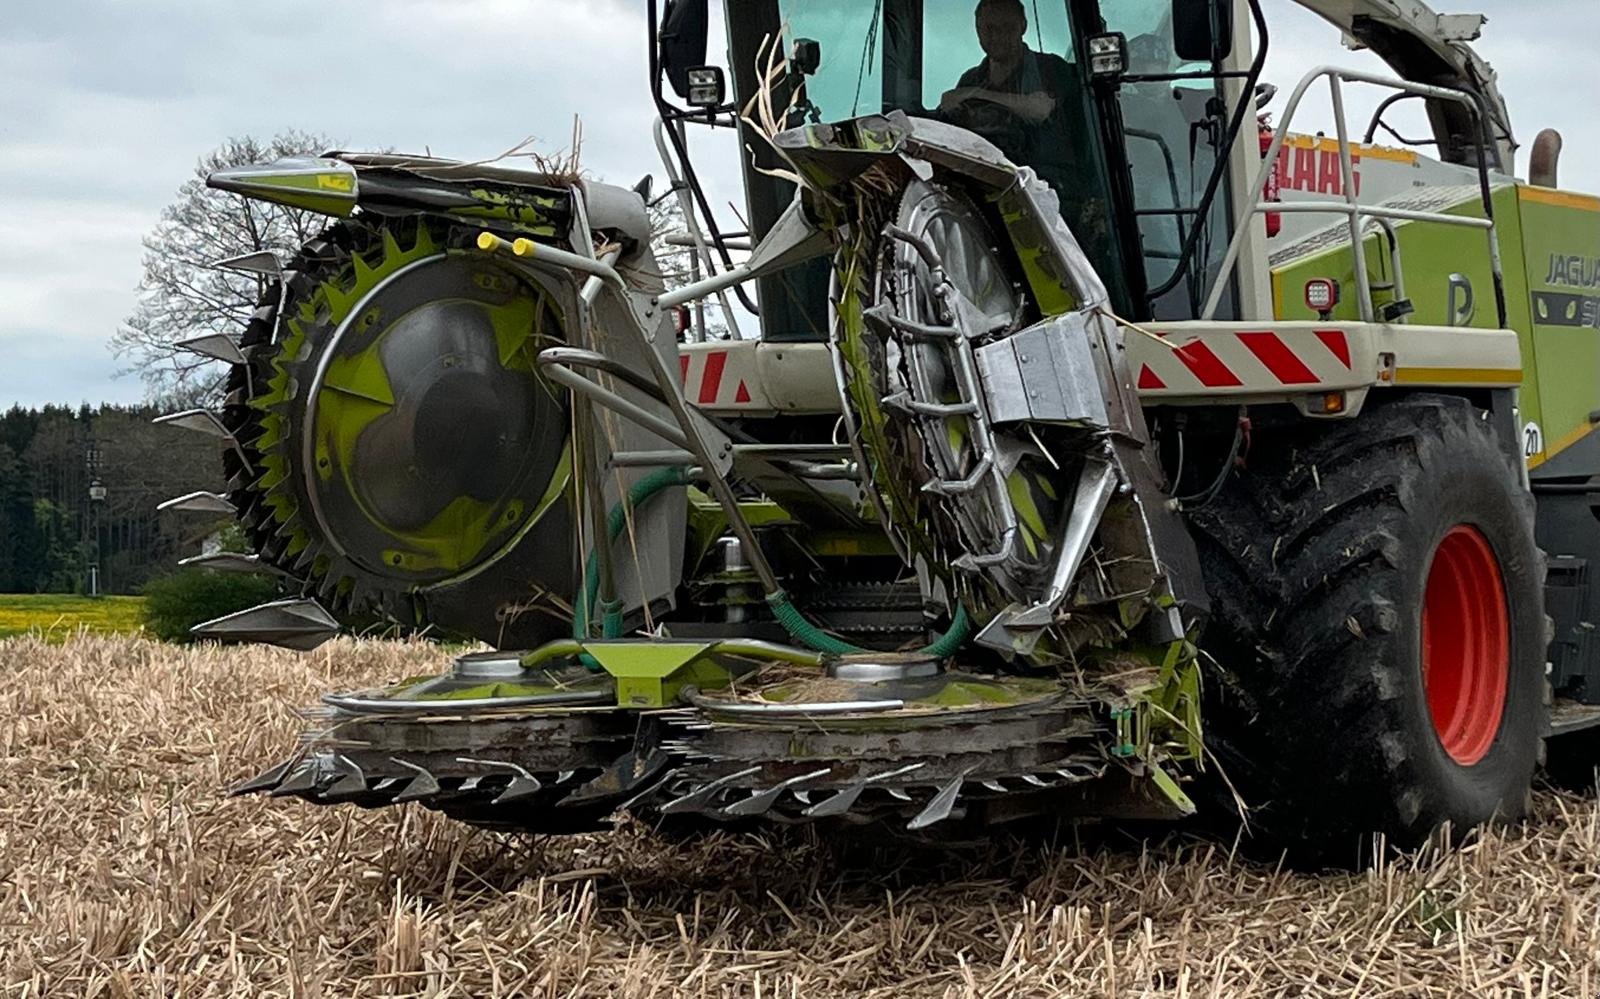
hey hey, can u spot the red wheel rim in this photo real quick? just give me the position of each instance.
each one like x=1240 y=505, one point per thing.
x=1466 y=649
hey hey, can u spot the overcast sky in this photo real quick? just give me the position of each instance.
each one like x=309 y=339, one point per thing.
x=106 y=104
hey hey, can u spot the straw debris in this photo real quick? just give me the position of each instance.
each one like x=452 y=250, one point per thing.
x=124 y=872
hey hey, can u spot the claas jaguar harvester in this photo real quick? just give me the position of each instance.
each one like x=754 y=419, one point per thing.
x=1076 y=435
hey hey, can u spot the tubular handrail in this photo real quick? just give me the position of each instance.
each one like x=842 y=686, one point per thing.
x=701 y=257
x=1358 y=214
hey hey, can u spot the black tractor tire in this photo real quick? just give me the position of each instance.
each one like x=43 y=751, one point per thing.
x=1320 y=559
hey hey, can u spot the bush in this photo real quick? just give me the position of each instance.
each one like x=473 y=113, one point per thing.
x=178 y=602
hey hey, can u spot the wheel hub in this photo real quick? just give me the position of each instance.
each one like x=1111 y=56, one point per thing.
x=1466 y=648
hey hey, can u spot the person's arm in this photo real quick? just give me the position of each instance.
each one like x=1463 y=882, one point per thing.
x=963 y=90
x=1032 y=108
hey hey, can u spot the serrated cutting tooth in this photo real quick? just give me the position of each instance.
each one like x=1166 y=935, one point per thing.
x=940 y=807
x=267 y=779
x=1035 y=781
x=199 y=501
x=761 y=801
x=522 y=783
x=231 y=562
x=354 y=781
x=471 y=783
x=306 y=558
x=564 y=775
x=423 y=785
x=895 y=792
x=836 y=804
x=700 y=795
x=804 y=797
x=626 y=775
x=206 y=422
x=520 y=787
x=293 y=624
x=841 y=802
x=218 y=346
x=994 y=785
x=304 y=778
x=259 y=262
x=202 y=421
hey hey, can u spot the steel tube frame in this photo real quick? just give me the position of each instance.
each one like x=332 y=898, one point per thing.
x=612 y=401
x=1351 y=206
x=697 y=241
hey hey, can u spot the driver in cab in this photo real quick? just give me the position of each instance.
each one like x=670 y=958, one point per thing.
x=1020 y=84
x=1030 y=105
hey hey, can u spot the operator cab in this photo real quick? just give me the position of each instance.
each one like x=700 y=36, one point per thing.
x=1137 y=157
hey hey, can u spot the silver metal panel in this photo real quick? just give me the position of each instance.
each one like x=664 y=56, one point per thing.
x=1044 y=374
x=260 y=262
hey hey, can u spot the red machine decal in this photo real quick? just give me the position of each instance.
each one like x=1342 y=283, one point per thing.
x=1336 y=342
x=1207 y=366
x=711 y=380
x=1271 y=351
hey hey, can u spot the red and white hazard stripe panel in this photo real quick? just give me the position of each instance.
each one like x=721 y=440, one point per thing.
x=720 y=378
x=1244 y=361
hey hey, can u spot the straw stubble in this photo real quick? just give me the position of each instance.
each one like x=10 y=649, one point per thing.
x=123 y=872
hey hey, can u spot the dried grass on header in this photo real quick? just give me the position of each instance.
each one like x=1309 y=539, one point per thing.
x=122 y=872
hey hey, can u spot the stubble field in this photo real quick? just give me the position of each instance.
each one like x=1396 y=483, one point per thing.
x=124 y=872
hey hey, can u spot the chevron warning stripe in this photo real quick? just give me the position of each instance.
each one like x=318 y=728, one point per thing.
x=1252 y=360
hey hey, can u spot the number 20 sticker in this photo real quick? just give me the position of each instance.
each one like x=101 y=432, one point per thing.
x=1532 y=440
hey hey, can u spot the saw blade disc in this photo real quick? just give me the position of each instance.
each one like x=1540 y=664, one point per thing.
x=403 y=444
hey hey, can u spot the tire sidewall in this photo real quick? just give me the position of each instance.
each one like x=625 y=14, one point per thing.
x=1469 y=481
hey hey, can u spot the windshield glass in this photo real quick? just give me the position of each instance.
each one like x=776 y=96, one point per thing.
x=1172 y=131
x=1012 y=72
x=1007 y=70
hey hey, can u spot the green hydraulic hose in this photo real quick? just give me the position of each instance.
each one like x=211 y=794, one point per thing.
x=806 y=633
x=795 y=623
x=616 y=519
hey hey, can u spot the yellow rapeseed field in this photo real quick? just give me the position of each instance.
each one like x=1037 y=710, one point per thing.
x=124 y=872
x=60 y=615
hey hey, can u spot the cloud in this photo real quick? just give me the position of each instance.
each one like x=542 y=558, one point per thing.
x=105 y=107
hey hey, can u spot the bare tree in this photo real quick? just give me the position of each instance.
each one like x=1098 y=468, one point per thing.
x=181 y=295
x=677 y=260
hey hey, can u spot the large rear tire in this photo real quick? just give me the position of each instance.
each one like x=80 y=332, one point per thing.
x=1378 y=624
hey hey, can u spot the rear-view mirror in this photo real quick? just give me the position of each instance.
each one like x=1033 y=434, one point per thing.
x=682 y=41
x=1202 y=30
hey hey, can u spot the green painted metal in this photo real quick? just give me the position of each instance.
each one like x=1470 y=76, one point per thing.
x=1560 y=271
x=1046 y=276
x=524 y=211
x=650 y=673
x=1549 y=244
x=1430 y=253
x=1170 y=788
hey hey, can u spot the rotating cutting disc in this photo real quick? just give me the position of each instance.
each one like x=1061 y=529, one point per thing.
x=405 y=443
